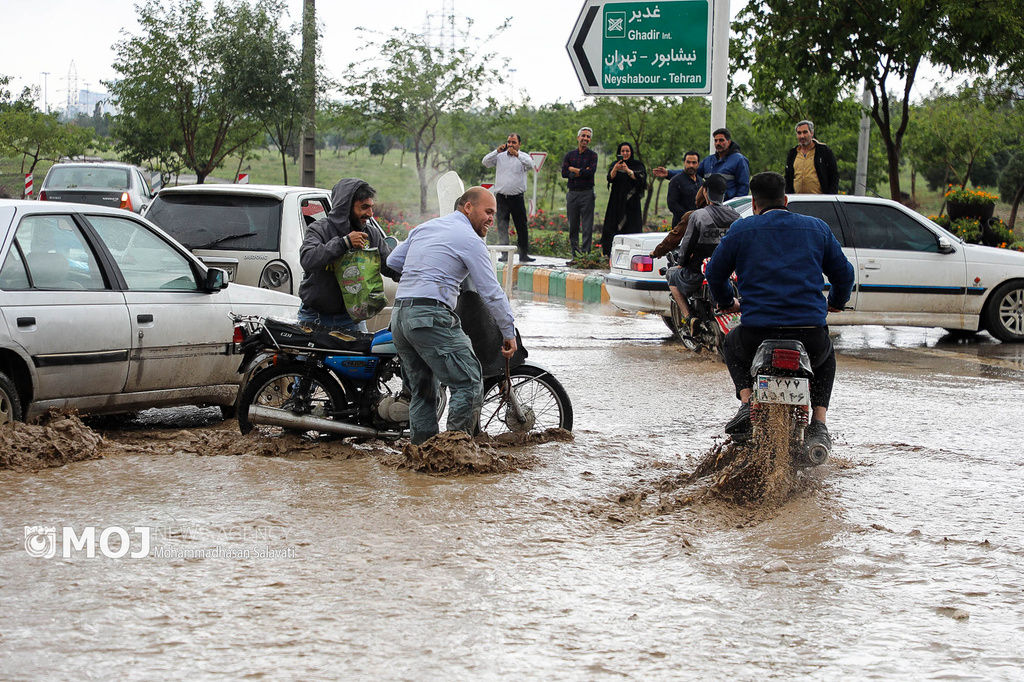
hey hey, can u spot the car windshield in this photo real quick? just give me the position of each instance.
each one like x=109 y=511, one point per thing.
x=87 y=177
x=738 y=203
x=217 y=221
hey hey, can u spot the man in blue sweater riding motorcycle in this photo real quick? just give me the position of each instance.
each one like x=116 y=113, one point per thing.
x=779 y=258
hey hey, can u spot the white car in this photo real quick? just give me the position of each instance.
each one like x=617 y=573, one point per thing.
x=252 y=231
x=103 y=312
x=909 y=271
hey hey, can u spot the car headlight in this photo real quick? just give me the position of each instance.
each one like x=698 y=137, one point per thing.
x=277 y=276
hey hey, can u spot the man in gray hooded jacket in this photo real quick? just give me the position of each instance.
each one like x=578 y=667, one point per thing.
x=349 y=225
x=694 y=239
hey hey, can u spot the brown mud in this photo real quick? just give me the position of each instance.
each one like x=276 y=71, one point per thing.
x=733 y=483
x=454 y=453
x=56 y=439
x=60 y=439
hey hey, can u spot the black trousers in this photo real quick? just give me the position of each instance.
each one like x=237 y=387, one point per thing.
x=742 y=342
x=515 y=206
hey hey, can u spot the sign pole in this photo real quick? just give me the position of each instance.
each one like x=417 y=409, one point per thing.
x=538 y=161
x=719 y=68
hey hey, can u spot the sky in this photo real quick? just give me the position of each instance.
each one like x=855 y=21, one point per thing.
x=58 y=32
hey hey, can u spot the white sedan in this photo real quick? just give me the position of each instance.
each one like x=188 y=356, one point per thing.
x=910 y=271
x=103 y=312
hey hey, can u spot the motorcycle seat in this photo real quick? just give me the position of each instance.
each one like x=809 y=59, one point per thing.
x=312 y=337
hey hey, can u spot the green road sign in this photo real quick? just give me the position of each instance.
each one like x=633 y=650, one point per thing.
x=643 y=48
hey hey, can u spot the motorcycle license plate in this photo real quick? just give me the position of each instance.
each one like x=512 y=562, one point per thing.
x=782 y=390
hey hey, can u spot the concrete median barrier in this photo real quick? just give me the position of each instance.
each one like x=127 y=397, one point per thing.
x=573 y=285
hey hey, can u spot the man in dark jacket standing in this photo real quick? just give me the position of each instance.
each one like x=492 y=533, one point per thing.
x=349 y=225
x=682 y=188
x=811 y=166
x=578 y=167
x=779 y=258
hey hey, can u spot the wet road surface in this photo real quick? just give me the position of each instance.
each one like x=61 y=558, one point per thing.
x=903 y=556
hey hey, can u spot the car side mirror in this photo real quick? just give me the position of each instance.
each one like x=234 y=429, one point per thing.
x=945 y=246
x=216 y=279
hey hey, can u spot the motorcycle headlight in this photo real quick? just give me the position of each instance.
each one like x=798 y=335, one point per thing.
x=276 y=276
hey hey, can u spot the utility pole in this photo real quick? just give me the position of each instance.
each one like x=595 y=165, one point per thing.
x=45 y=74
x=309 y=91
x=719 y=68
x=861 y=182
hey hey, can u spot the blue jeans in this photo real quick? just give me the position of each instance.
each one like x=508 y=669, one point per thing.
x=435 y=350
x=330 y=321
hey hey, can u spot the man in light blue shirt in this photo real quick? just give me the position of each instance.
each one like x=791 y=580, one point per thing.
x=433 y=262
x=511 y=167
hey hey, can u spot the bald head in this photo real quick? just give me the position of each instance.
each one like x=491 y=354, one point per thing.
x=478 y=204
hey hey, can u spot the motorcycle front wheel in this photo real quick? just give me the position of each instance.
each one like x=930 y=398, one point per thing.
x=542 y=400
x=276 y=387
x=679 y=329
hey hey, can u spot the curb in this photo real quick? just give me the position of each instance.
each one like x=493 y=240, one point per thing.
x=567 y=284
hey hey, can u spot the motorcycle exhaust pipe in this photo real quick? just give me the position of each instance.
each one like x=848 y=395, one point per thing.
x=273 y=416
x=816 y=454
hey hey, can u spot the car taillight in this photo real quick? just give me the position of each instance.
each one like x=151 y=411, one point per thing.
x=786 y=359
x=641 y=263
x=42 y=195
x=276 y=275
x=126 y=201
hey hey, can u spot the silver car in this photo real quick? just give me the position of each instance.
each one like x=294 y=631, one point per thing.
x=103 y=183
x=103 y=312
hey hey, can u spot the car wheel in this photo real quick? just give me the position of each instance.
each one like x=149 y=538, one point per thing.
x=1004 y=314
x=10 y=401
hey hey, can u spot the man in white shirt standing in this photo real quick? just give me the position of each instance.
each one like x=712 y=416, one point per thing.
x=433 y=262
x=509 y=185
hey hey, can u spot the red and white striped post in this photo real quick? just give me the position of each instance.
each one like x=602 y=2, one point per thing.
x=243 y=179
x=28 y=185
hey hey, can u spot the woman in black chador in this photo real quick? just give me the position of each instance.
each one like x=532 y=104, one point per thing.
x=627 y=179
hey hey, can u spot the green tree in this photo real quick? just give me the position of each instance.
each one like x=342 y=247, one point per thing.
x=957 y=130
x=408 y=86
x=816 y=51
x=200 y=81
x=34 y=136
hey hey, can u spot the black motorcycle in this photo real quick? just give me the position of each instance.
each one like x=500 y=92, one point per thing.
x=710 y=325
x=780 y=405
x=307 y=379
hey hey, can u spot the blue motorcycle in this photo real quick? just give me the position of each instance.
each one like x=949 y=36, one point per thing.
x=306 y=379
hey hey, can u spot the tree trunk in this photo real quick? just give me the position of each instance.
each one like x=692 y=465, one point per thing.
x=422 y=173
x=1016 y=203
x=284 y=164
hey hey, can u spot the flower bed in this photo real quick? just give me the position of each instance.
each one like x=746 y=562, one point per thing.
x=987 y=232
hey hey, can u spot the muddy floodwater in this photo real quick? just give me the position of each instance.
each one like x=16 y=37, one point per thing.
x=902 y=557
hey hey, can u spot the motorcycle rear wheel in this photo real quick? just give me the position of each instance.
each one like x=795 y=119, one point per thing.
x=540 y=395
x=275 y=386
